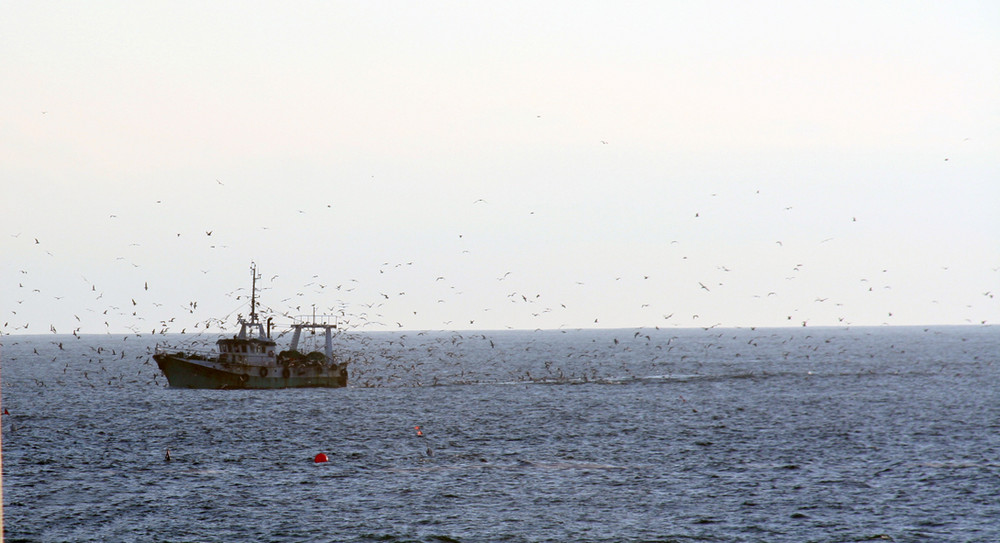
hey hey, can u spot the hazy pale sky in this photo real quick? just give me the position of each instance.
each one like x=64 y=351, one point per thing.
x=453 y=165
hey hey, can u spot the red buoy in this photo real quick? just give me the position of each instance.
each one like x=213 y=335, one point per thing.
x=320 y=458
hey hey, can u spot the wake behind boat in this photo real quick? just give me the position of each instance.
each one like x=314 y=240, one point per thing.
x=250 y=359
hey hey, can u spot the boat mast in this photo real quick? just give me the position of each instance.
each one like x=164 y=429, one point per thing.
x=253 y=323
x=253 y=292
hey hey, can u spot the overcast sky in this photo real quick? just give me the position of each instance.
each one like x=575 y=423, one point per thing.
x=457 y=165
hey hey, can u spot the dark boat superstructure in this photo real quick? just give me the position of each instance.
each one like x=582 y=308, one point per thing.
x=250 y=359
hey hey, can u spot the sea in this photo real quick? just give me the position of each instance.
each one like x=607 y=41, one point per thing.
x=629 y=435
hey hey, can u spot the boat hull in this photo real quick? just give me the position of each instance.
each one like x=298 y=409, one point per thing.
x=183 y=372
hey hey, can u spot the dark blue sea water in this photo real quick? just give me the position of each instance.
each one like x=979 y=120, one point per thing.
x=864 y=434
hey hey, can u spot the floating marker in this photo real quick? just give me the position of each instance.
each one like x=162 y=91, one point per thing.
x=419 y=433
x=320 y=458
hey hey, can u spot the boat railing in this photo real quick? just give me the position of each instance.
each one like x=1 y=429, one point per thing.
x=316 y=320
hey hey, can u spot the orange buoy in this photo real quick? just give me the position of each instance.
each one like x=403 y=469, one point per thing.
x=417 y=428
x=320 y=458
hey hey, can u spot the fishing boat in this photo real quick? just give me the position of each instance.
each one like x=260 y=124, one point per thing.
x=251 y=360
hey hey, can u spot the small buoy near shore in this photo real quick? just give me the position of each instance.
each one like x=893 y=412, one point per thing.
x=417 y=428
x=320 y=458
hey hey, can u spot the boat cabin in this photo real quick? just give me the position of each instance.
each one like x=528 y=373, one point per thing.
x=246 y=351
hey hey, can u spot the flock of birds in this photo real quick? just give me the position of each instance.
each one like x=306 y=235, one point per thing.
x=381 y=302
x=419 y=359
